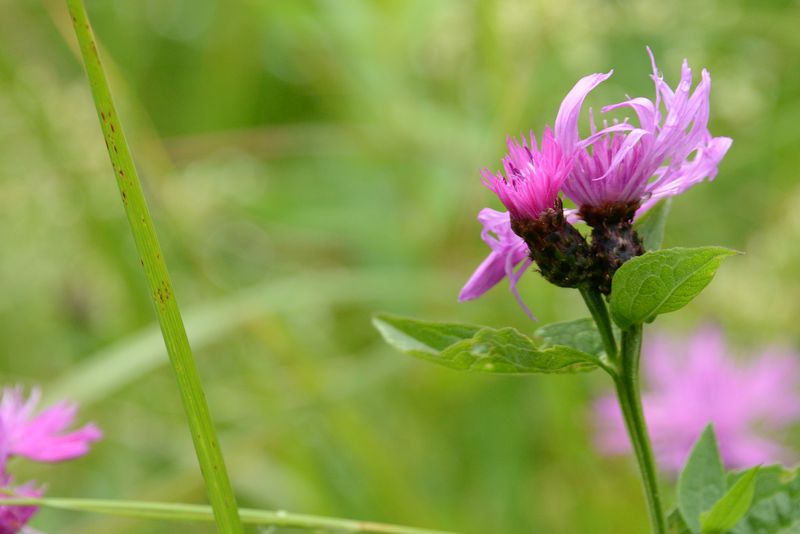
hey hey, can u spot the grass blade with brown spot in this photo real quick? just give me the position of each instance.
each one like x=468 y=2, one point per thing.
x=209 y=455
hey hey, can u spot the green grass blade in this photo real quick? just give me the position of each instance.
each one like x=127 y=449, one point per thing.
x=218 y=486
x=196 y=512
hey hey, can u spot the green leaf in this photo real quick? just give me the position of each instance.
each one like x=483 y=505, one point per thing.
x=477 y=348
x=676 y=524
x=662 y=281
x=702 y=481
x=580 y=334
x=650 y=226
x=776 y=503
x=421 y=338
x=732 y=507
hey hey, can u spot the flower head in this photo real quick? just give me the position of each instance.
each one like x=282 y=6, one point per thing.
x=14 y=518
x=615 y=174
x=533 y=178
x=535 y=225
x=625 y=164
x=43 y=436
x=695 y=383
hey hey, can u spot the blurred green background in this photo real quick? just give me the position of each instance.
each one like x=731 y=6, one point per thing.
x=311 y=162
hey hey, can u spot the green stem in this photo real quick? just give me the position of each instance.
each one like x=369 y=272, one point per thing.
x=630 y=401
x=597 y=307
x=193 y=512
x=212 y=466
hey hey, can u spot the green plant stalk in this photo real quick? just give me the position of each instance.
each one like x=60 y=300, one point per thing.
x=209 y=455
x=193 y=512
x=597 y=307
x=630 y=401
x=625 y=367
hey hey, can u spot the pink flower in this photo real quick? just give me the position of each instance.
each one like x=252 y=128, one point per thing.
x=666 y=154
x=14 y=518
x=40 y=437
x=533 y=178
x=670 y=151
x=530 y=187
x=691 y=384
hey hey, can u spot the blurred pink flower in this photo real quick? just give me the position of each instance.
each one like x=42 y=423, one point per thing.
x=627 y=164
x=14 y=518
x=694 y=383
x=41 y=437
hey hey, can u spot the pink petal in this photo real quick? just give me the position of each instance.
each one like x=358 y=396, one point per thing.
x=567 y=119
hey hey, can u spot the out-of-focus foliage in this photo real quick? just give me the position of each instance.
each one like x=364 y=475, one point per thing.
x=310 y=162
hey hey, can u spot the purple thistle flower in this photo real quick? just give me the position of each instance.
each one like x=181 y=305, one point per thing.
x=14 y=518
x=695 y=383
x=41 y=437
x=613 y=175
x=633 y=165
x=535 y=225
x=533 y=178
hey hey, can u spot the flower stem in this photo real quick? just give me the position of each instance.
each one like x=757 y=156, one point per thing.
x=597 y=307
x=630 y=401
x=207 y=448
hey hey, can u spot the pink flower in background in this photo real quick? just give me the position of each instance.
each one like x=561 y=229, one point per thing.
x=14 y=518
x=43 y=436
x=694 y=383
x=532 y=179
x=666 y=154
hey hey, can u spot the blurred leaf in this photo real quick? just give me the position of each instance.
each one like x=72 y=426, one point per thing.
x=580 y=334
x=776 y=503
x=676 y=524
x=476 y=348
x=103 y=373
x=650 y=226
x=702 y=481
x=662 y=281
x=732 y=507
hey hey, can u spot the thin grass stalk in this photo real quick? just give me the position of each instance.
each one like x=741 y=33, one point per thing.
x=209 y=454
x=194 y=512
